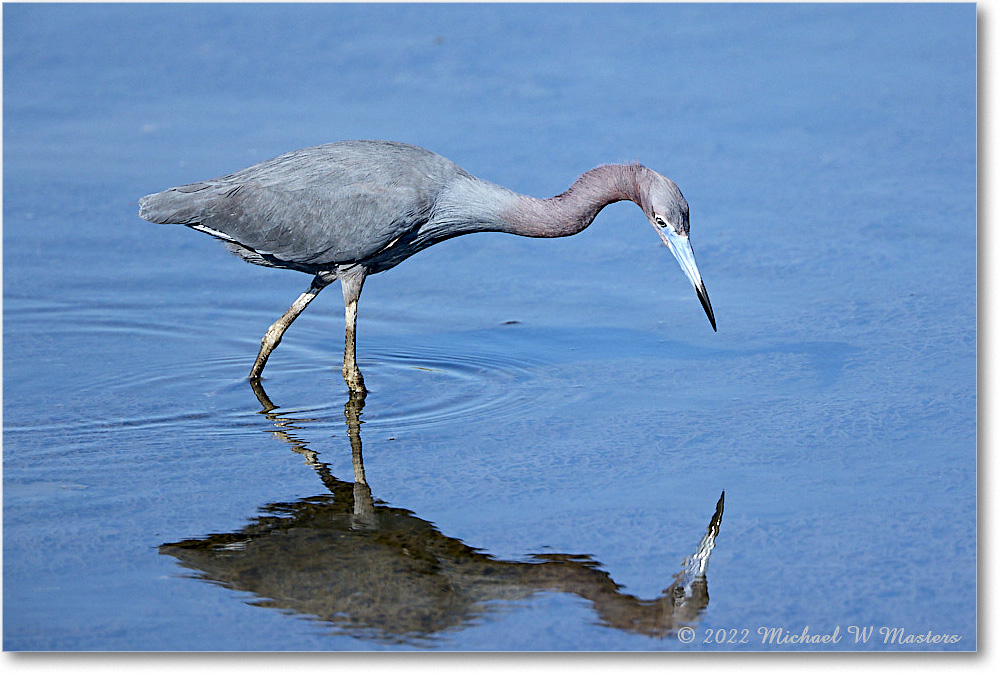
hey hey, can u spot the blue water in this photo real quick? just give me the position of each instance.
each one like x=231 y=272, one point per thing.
x=550 y=423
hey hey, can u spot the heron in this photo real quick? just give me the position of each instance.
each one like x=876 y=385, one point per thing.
x=343 y=211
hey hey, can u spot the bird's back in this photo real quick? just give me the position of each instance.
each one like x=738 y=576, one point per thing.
x=310 y=209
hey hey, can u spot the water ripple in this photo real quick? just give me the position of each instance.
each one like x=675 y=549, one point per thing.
x=436 y=385
x=182 y=372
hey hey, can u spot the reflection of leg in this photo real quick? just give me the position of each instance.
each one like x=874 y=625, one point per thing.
x=262 y=397
x=364 y=505
x=273 y=335
x=351 y=285
x=352 y=411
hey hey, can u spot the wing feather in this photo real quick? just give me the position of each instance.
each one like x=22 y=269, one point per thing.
x=336 y=203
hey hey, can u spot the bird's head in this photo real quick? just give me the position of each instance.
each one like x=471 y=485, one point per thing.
x=667 y=210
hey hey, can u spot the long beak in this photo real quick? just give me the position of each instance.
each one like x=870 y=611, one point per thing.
x=680 y=246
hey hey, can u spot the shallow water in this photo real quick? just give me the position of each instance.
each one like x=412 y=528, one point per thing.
x=550 y=423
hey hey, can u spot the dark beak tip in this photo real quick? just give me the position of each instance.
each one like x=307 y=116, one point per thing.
x=707 y=306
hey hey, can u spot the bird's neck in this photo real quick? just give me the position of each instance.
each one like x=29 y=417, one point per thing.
x=574 y=209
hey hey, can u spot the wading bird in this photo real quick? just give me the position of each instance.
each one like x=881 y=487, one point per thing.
x=346 y=210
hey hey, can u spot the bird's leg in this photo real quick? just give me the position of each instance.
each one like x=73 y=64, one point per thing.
x=273 y=335
x=352 y=374
x=351 y=284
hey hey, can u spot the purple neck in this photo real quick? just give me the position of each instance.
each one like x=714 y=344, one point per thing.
x=574 y=209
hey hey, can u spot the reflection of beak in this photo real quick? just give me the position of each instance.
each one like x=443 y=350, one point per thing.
x=680 y=246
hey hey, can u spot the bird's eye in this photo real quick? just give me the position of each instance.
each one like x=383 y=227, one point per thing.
x=659 y=221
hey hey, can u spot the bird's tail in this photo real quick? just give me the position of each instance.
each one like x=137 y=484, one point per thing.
x=183 y=205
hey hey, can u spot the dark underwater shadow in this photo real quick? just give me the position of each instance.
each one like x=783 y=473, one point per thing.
x=377 y=572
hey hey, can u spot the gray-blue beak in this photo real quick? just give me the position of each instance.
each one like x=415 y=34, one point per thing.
x=680 y=246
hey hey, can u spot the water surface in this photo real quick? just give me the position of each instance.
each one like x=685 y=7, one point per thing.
x=551 y=423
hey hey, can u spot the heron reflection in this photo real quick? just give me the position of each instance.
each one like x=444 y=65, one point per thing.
x=379 y=572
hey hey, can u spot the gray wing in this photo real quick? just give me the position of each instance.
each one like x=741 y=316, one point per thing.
x=336 y=203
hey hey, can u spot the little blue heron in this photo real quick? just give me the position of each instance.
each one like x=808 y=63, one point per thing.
x=346 y=210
